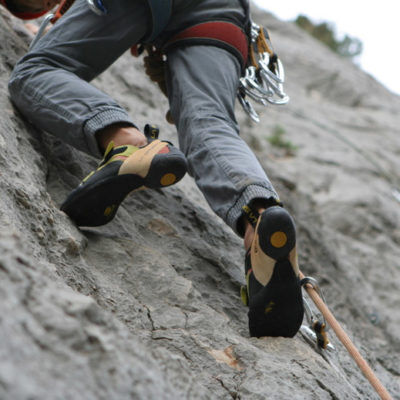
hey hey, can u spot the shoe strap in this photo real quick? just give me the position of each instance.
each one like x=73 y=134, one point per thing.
x=251 y=214
x=151 y=132
x=112 y=151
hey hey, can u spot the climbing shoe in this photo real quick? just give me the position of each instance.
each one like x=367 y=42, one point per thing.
x=273 y=291
x=124 y=169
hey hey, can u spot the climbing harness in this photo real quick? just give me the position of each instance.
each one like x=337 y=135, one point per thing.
x=223 y=34
x=262 y=71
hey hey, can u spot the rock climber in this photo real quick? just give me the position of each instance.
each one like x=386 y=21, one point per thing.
x=49 y=85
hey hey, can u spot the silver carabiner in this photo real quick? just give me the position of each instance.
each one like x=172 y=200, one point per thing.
x=314 y=283
x=315 y=329
x=248 y=108
x=309 y=334
x=41 y=30
x=264 y=83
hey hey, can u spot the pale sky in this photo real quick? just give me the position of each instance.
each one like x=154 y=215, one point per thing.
x=376 y=24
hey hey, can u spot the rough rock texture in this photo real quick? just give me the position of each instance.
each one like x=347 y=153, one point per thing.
x=147 y=307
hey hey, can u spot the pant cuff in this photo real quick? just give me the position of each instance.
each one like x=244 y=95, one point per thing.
x=251 y=192
x=101 y=120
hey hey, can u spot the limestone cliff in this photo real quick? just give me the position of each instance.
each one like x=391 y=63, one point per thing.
x=148 y=306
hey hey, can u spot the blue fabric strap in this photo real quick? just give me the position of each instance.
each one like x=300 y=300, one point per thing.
x=161 y=13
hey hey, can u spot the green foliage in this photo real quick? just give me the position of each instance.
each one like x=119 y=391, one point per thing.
x=349 y=47
x=277 y=139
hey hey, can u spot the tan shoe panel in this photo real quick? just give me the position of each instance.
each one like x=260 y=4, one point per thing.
x=139 y=162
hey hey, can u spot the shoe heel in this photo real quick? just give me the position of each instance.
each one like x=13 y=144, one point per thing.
x=276 y=232
x=166 y=169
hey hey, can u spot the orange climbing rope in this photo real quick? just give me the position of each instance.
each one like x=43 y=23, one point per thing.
x=344 y=338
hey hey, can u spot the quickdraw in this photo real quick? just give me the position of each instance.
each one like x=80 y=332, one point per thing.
x=264 y=77
x=311 y=289
x=317 y=326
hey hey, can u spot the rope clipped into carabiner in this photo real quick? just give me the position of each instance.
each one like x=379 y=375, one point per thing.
x=317 y=329
x=264 y=76
x=309 y=286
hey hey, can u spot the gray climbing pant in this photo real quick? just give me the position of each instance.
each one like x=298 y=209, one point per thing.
x=50 y=87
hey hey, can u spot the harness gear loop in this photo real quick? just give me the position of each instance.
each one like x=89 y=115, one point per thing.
x=154 y=65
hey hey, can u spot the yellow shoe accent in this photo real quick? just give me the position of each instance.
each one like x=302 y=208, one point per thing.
x=244 y=296
x=250 y=214
x=278 y=239
x=86 y=178
x=108 y=211
x=168 y=179
x=269 y=307
x=128 y=152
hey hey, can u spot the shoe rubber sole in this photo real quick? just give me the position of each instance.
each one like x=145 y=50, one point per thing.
x=97 y=203
x=277 y=308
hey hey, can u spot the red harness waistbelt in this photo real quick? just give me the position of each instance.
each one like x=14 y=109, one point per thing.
x=222 y=34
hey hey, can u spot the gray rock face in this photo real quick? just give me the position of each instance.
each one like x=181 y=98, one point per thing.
x=147 y=307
